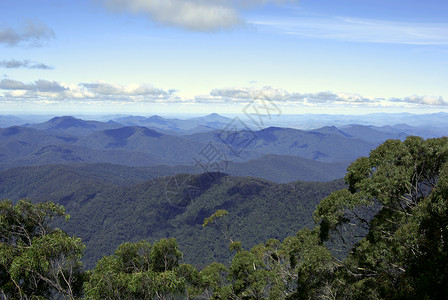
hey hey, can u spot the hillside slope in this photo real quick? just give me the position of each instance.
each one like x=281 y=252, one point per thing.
x=105 y=215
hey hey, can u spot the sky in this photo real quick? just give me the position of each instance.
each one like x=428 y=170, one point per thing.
x=202 y=56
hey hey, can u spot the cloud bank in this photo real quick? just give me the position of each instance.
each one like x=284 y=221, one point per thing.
x=280 y=96
x=109 y=89
x=39 y=90
x=244 y=94
x=53 y=91
x=195 y=15
x=30 y=33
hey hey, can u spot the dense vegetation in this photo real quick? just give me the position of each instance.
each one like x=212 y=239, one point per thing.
x=398 y=194
x=37 y=261
x=105 y=214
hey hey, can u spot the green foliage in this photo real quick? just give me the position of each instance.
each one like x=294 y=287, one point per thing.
x=141 y=271
x=214 y=281
x=165 y=255
x=423 y=242
x=235 y=246
x=312 y=262
x=106 y=213
x=300 y=267
x=224 y=227
x=248 y=275
x=36 y=260
x=218 y=214
x=404 y=252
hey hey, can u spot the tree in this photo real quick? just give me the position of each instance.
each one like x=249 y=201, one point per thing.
x=249 y=276
x=142 y=271
x=214 y=283
x=37 y=261
x=224 y=227
x=165 y=255
x=424 y=240
x=399 y=194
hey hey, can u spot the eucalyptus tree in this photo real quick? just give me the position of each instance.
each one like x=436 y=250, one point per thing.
x=36 y=260
x=142 y=271
x=400 y=195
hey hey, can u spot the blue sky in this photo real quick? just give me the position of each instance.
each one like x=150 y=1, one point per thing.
x=198 y=56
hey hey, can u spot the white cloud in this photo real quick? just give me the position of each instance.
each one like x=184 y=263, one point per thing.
x=31 y=33
x=100 y=91
x=109 y=89
x=348 y=97
x=246 y=94
x=16 y=94
x=329 y=97
x=196 y=15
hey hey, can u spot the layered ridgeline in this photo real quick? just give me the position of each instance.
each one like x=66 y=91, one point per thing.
x=424 y=125
x=139 y=141
x=276 y=168
x=105 y=214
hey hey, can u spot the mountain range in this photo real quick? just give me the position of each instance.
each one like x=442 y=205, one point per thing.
x=429 y=125
x=71 y=140
x=177 y=126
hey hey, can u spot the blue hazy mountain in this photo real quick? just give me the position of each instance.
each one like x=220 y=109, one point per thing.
x=312 y=121
x=177 y=126
x=73 y=140
x=143 y=140
x=73 y=126
x=321 y=146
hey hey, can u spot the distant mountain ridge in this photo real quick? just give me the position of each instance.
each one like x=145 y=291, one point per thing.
x=427 y=125
x=72 y=140
x=72 y=126
x=316 y=145
x=176 y=126
x=311 y=121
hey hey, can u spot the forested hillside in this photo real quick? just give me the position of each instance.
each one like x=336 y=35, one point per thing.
x=105 y=214
x=398 y=195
